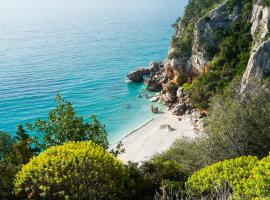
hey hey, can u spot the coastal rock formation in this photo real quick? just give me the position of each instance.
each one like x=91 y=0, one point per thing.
x=153 y=84
x=259 y=61
x=155 y=67
x=153 y=76
x=198 y=39
x=157 y=77
x=258 y=65
x=179 y=109
x=138 y=75
x=207 y=29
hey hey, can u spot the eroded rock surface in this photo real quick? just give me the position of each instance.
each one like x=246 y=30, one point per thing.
x=205 y=44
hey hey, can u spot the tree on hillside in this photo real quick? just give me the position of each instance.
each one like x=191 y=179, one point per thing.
x=64 y=125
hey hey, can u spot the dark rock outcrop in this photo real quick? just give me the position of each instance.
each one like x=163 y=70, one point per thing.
x=138 y=75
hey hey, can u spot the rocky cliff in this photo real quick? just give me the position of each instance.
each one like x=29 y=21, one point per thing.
x=215 y=41
x=205 y=43
x=259 y=61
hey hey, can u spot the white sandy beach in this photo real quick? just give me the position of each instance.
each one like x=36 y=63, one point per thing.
x=155 y=137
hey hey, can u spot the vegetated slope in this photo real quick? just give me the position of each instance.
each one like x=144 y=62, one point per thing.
x=216 y=41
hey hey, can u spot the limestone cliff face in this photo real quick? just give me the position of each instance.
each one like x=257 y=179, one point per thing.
x=206 y=34
x=258 y=65
x=259 y=61
x=197 y=41
x=260 y=23
x=205 y=42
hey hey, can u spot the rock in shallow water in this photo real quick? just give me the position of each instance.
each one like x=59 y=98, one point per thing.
x=137 y=76
x=154 y=109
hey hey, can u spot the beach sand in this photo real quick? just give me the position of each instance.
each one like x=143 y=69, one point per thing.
x=155 y=136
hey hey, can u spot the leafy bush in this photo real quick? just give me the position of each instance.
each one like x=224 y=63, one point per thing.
x=6 y=143
x=190 y=154
x=237 y=124
x=229 y=175
x=164 y=173
x=154 y=177
x=75 y=170
x=8 y=171
x=257 y=186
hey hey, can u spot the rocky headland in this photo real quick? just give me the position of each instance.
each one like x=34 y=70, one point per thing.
x=186 y=66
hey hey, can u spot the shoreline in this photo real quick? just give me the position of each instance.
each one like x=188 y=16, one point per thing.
x=114 y=143
x=154 y=136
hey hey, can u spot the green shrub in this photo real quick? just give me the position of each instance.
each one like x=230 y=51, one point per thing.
x=229 y=174
x=190 y=154
x=257 y=186
x=75 y=170
x=238 y=124
x=161 y=175
x=186 y=87
x=8 y=171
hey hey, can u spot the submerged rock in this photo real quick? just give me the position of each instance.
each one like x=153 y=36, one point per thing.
x=127 y=106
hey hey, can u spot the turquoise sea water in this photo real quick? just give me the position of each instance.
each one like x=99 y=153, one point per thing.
x=82 y=49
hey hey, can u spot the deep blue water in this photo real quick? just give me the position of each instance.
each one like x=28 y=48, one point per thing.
x=82 y=49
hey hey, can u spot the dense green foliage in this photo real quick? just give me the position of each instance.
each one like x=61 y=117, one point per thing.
x=164 y=174
x=75 y=170
x=242 y=178
x=62 y=121
x=228 y=175
x=235 y=126
x=14 y=152
x=188 y=153
x=64 y=125
x=257 y=186
x=265 y=2
x=238 y=125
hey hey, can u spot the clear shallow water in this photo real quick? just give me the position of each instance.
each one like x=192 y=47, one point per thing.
x=82 y=49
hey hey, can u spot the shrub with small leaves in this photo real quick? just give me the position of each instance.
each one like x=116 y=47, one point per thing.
x=258 y=184
x=75 y=170
x=229 y=175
